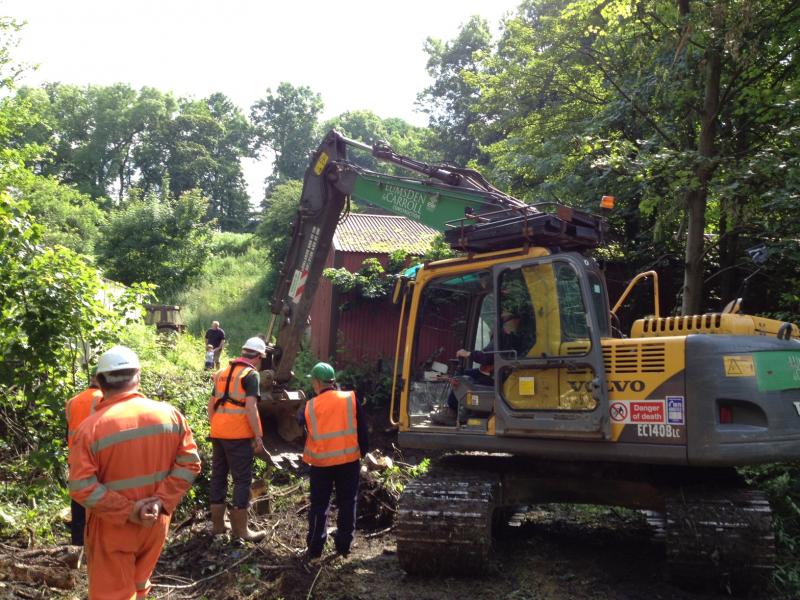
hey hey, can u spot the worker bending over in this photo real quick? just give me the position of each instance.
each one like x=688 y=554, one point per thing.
x=130 y=464
x=235 y=436
x=337 y=439
x=77 y=409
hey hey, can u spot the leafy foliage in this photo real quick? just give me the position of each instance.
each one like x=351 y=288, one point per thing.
x=372 y=281
x=68 y=217
x=53 y=319
x=159 y=240
x=286 y=124
x=450 y=101
x=275 y=228
x=677 y=113
x=145 y=138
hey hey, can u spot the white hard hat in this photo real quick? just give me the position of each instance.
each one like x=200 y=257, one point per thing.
x=117 y=358
x=256 y=344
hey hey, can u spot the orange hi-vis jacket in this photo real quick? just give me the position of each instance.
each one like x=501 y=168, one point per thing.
x=229 y=421
x=332 y=429
x=131 y=448
x=78 y=408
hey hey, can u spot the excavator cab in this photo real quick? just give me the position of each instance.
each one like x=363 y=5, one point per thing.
x=540 y=318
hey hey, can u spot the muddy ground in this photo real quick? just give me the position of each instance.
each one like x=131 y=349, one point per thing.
x=557 y=552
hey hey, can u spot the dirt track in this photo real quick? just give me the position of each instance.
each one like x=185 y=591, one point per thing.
x=558 y=553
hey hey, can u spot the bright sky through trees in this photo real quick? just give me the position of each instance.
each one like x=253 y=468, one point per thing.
x=358 y=54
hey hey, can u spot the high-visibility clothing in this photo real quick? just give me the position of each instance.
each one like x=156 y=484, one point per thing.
x=229 y=421
x=121 y=558
x=130 y=448
x=78 y=408
x=332 y=429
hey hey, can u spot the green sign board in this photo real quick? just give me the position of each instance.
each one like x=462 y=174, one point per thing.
x=777 y=371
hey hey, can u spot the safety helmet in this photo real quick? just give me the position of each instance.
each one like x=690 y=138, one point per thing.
x=117 y=358
x=323 y=373
x=256 y=344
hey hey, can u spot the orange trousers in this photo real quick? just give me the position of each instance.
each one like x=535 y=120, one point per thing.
x=121 y=558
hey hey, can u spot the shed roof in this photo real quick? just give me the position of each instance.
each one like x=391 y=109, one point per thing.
x=383 y=234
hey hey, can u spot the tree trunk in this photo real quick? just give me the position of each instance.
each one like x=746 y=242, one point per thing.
x=693 y=300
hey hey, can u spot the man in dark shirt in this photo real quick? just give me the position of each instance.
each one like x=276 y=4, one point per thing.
x=215 y=337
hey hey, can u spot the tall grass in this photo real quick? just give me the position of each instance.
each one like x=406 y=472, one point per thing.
x=232 y=290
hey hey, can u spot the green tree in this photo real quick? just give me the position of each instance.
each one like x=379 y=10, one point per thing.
x=661 y=107
x=275 y=228
x=204 y=147
x=450 y=101
x=69 y=218
x=164 y=241
x=286 y=125
x=51 y=314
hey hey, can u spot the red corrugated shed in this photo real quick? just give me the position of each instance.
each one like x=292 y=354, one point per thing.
x=367 y=332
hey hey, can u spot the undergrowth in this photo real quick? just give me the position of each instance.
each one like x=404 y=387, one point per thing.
x=34 y=510
x=231 y=290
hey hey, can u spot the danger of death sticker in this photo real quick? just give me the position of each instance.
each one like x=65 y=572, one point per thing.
x=638 y=411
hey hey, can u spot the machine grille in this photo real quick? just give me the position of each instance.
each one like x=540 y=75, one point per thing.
x=646 y=357
x=678 y=325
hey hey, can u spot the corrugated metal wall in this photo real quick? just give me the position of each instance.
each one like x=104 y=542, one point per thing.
x=361 y=335
x=367 y=332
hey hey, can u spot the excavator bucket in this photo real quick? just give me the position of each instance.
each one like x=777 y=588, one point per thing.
x=279 y=409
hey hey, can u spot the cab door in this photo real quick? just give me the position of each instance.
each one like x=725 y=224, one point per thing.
x=548 y=369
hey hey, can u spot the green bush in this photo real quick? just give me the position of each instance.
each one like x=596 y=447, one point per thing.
x=165 y=241
x=781 y=482
x=227 y=243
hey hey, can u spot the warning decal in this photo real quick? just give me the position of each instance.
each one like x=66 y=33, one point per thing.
x=637 y=411
x=675 y=414
x=618 y=412
x=739 y=366
x=647 y=411
x=298 y=285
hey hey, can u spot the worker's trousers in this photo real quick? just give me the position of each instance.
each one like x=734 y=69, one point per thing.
x=121 y=558
x=235 y=456
x=77 y=523
x=344 y=478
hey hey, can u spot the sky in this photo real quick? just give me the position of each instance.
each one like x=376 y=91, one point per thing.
x=357 y=54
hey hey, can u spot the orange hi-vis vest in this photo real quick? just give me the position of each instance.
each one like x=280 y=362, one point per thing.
x=229 y=421
x=78 y=408
x=332 y=430
x=131 y=448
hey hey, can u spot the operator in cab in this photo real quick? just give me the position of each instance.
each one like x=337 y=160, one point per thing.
x=483 y=375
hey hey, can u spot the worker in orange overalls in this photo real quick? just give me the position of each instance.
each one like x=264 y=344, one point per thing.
x=236 y=437
x=77 y=409
x=337 y=439
x=131 y=462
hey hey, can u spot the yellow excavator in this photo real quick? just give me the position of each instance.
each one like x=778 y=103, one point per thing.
x=566 y=408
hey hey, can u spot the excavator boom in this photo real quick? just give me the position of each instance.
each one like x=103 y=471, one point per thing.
x=472 y=214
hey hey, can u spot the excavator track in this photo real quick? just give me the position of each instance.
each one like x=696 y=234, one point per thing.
x=444 y=522
x=719 y=538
